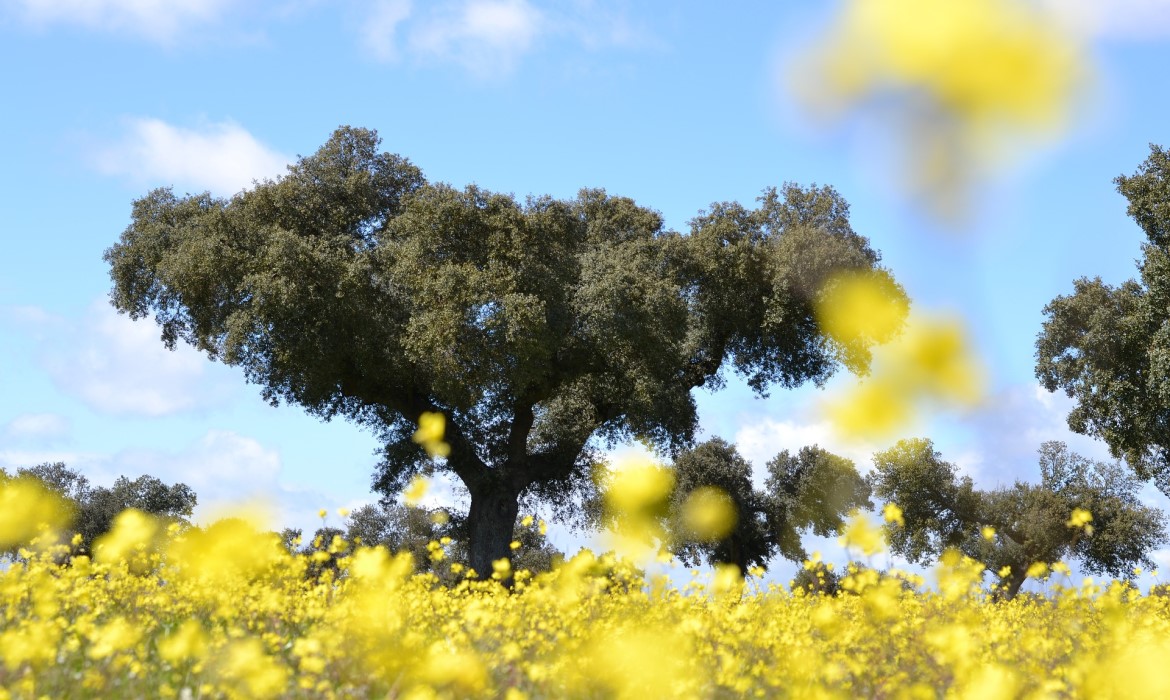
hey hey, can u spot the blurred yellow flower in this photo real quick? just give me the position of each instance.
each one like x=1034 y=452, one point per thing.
x=133 y=533
x=892 y=514
x=26 y=509
x=963 y=79
x=709 y=514
x=416 y=490
x=858 y=308
x=432 y=427
x=1037 y=570
x=988 y=533
x=861 y=534
x=1080 y=518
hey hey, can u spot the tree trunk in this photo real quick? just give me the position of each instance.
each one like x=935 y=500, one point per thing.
x=1015 y=582
x=491 y=521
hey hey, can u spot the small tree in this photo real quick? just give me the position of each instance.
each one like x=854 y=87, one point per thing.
x=806 y=491
x=1010 y=529
x=95 y=507
x=414 y=529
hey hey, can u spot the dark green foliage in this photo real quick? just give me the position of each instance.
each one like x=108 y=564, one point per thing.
x=353 y=287
x=808 y=491
x=414 y=529
x=717 y=463
x=95 y=507
x=1030 y=520
x=811 y=491
x=1109 y=347
x=817 y=577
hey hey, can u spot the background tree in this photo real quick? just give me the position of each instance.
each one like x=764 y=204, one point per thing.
x=1108 y=347
x=811 y=491
x=95 y=507
x=414 y=529
x=717 y=464
x=353 y=287
x=806 y=491
x=1030 y=522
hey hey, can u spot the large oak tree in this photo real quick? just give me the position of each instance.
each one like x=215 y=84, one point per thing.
x=1108 y=347
x=354 y=287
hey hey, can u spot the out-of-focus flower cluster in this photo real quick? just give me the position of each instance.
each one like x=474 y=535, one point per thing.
x=963 y=81
x=923 y=361
x=226 y=611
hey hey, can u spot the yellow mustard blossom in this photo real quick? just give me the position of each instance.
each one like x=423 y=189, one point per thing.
x=416 y=490
x=709 y=514
x=962 y=80
x=860 y=534
x=1080 y=518
x=26 y=509
x=432 y=428
x=892 y=514
x=861 y=308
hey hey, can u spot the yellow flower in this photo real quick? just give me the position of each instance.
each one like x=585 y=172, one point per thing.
x=862 y=308
x=26 y=509
x=962 y=79
x=432 y=427
x=988 y=533
x=1037 y=570
x=526 y=521
x=415 y=490
x=132 y=534
x=862 y=535
x=892 y=514
x=1080 y=518
x=709 y=514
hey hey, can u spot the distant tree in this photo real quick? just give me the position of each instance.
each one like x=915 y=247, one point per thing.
x=1031 y=522
x=414 y=529
x=807 y=491
x=718 y=464
x=95 y=507
x=811 y=491
x=1108 y=347
x=353 y=287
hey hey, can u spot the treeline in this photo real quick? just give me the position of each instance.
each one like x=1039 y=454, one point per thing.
x=1082 y=509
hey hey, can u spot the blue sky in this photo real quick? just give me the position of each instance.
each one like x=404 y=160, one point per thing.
x=676 y=105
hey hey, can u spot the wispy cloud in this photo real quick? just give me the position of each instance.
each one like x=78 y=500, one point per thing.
x=1115 y=19
x=489 y=38
x=221 y=157
x=161 y=21
x=36 y=427
x=120 y=367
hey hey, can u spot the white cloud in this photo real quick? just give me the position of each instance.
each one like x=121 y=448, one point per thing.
x=221 y=157
x=40 y=427
x=761 y=441
x=485 y=36
x=156 y=20
x=489 y=37
x=120 y=367
x=1114 y=19
x=380 y=28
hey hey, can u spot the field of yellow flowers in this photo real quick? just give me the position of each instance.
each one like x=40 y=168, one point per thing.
x=225 y=611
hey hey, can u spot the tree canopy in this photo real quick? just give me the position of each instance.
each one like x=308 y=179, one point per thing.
x=1108 y=347
x=806 y=491
x=94 y=508
x=354 y=287
x=1029 y=523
